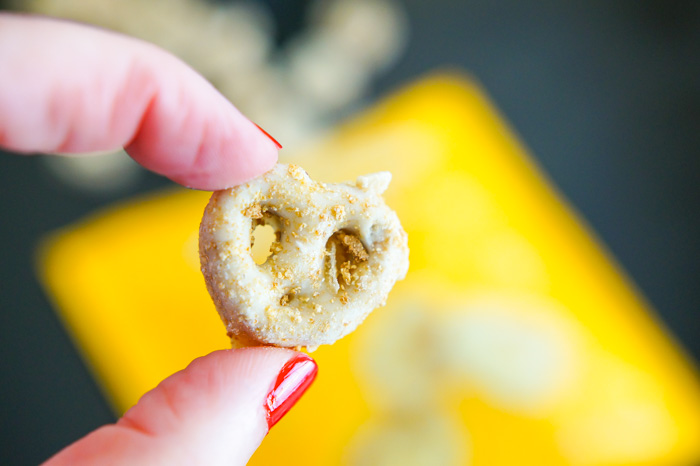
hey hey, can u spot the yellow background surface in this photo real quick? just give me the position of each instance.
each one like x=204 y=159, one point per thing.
x=513 y=340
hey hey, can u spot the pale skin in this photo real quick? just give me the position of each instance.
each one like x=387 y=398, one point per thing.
x=72 y=89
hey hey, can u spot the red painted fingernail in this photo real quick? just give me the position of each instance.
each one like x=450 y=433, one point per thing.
x=293 y=380
x=279 y=146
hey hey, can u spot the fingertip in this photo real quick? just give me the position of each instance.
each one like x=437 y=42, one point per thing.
x=232 y=163
x=215 y=152
x=89 y=90
x=213 y=412
x=235 y=382
x=193 y=135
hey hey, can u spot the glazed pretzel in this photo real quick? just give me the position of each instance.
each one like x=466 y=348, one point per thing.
x=338 y=251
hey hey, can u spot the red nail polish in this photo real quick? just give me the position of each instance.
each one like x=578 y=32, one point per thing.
x=293 y=380
x=279 y=146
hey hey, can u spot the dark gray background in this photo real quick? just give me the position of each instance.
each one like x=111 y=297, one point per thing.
x=605 y=94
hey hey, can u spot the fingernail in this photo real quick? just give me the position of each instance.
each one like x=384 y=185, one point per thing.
x=293 y=380
x=279 y=146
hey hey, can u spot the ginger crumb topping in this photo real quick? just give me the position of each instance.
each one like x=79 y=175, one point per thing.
x=338 y=211
x=253 y=211
x=354 y=246
x=296 y=172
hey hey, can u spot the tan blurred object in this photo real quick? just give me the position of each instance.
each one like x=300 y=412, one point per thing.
x=108 y=172
x=370 y=33
x=296 y=92
x=513 y=340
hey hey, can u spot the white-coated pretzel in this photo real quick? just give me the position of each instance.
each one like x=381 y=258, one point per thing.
x=338 y=251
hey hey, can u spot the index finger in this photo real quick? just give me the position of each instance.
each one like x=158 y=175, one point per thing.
x=72 y=88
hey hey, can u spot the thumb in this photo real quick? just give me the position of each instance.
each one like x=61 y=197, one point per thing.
x=216 y=411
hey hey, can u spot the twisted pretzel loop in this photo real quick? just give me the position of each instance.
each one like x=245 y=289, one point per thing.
x=337 y=252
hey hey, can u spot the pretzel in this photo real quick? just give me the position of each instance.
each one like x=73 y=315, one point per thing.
x=338 y=250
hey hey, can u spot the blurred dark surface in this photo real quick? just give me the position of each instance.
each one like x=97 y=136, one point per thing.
x=605 y=94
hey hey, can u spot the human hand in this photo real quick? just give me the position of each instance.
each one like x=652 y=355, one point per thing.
x=69 y=88
x=217 y=411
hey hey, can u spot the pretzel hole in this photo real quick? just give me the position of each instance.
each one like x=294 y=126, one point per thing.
x=344 y=254
x=261 y=242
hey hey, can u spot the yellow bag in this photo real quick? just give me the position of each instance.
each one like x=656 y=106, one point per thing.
x=514 y=339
